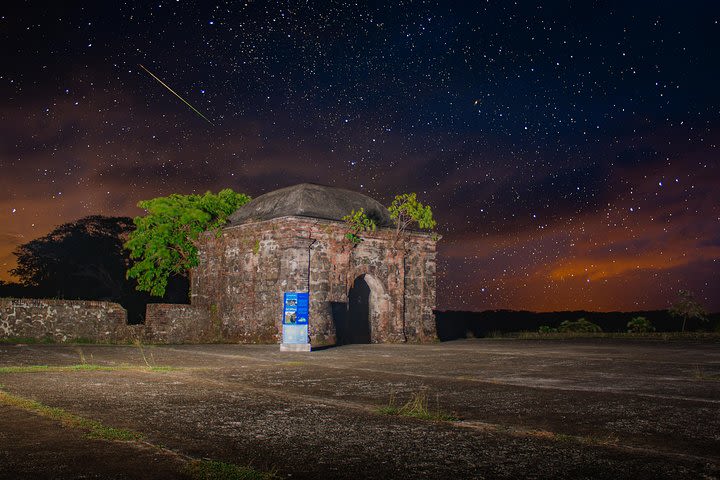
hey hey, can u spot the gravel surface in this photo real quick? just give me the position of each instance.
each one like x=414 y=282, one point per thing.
x=600 y=408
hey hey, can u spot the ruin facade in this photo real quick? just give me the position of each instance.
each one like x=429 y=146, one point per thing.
x=294 y=239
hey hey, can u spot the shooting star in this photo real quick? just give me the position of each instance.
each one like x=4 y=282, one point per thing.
x=175 y=93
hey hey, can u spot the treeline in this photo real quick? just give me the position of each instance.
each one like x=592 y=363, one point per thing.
x=452 y=325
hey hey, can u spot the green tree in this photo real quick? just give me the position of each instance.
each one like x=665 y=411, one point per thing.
x=406 y=211
x=687 y=308
x=163 y=244
x=358 y=222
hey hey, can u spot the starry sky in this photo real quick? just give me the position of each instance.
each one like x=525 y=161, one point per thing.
x=569 y=149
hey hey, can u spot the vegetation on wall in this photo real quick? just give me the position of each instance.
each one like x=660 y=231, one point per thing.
x=406 y=211
x=358 y=222
x=163 y=243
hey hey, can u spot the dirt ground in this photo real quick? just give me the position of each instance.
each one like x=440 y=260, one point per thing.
x=527 y=409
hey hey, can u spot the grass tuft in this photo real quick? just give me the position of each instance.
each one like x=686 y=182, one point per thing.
x=215 y=470
x=416 y=407
x=562 y=437
x=699 y=374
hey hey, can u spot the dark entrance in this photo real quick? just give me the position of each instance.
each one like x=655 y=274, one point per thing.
x=352 y=320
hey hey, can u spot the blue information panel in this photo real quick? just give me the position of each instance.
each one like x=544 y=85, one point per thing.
x=295 y=317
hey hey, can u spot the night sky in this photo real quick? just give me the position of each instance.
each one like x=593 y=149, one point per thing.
x=569 y=150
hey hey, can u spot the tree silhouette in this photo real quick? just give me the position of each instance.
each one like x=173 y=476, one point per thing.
x=81 y=259
x=687 y=308
x=86 y=260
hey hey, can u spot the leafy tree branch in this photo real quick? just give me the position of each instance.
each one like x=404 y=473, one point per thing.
x=406 y=211
x=163 y=244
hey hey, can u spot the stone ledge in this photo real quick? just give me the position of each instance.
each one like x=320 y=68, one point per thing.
x=294 y=347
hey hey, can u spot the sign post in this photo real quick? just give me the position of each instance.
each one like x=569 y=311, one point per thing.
x=296 y=310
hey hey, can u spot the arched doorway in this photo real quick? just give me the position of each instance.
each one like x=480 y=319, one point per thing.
x=353 y=325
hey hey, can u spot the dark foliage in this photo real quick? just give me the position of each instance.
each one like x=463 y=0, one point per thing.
x=79 y=259
x=458 y=324
x=687 y=308
x=16 y=290
x=85 y=260
x=579 y=326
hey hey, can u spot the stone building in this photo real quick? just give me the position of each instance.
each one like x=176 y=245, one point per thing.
x=293 y=239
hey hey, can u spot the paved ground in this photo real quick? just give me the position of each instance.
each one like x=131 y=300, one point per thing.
x=528 y=409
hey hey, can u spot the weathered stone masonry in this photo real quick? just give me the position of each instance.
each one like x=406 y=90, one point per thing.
x=62 y=320
x=243 y=272
x=105 y=322
x=177 y=323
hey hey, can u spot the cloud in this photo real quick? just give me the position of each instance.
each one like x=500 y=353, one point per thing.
x=616 y=265
x=648 y=239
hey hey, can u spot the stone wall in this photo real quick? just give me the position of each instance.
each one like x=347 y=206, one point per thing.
x=243 y=273
x=62 y=320
x=105 y=322
x=176 y=323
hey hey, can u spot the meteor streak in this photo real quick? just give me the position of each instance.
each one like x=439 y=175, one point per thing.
x=175 y=93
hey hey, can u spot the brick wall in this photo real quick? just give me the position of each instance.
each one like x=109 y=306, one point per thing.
x=62 y=320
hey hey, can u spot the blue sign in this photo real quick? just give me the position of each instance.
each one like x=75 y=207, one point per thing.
x=296 y=310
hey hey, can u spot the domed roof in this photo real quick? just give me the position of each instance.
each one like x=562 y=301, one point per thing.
x=310 y=200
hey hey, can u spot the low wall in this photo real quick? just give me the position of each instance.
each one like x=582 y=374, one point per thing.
x=62 y=320
x=178 y=323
